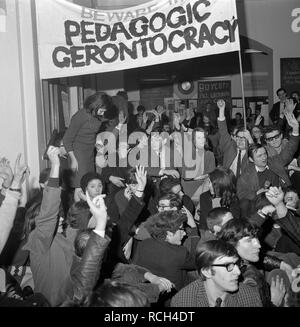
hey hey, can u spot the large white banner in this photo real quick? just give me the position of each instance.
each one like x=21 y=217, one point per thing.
x=75 y=40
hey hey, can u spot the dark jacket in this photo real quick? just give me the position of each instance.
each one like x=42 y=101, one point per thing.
x=291 y=225
x=228 y=147
x=206 y=206
x=50 y=252
x=166 y=260
x=248 y=183
x=85 y=271
x=194 y=295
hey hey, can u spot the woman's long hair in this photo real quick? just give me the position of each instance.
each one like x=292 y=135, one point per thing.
x=223 y=181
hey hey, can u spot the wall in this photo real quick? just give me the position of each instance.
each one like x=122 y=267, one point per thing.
x=269 y=22
x=21 y=125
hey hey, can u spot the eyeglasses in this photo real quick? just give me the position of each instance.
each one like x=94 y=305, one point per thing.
x=240 y=138
x=181 y=228
x=275 y=137
x=229 y=266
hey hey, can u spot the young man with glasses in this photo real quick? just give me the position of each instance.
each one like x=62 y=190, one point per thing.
x=234 y=149
x=279 y=148
x=218 y=286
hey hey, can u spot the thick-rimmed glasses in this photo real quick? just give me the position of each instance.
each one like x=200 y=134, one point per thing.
x=275 y=137
x=229 y=266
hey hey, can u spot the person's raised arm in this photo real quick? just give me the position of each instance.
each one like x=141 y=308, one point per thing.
x=85 y=277
x=46 y=221
x=9 y=206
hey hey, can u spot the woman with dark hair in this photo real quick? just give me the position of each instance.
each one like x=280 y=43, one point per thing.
x=80 y=138
x=200 y=153
x=257 y=134
x=220 y=192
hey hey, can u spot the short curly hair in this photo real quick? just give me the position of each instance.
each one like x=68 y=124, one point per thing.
x=235 y=229
x=158 y=224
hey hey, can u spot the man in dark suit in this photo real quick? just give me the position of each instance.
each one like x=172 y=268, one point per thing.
x=276 y=113
x=218 y=266
x=234 y=149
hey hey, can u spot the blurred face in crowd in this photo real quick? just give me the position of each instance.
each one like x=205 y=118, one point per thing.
x=291 y=199
x=248 y=248
x=177 y=189
x=143 y=142
x=228 y=216
x=256 y=133
x=129 y=190
x=224 y=273
x=295 y=95
x=238 y=117
x=156 y=142
x=164 y=205
x=176 y=237
x=240 y=140
x=200 y=139
x=260 y=158
x=94 y=188
x=205 y=120
x=274 y=139
x=166 y=128
x=123 y=149
x=281 y=95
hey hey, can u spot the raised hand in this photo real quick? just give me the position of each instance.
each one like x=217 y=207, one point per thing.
x=163 y=284
x=258 y=120
x=118 y=181
x=290 y=105
x=221 y=104
x=98 y=210
x=141 y=177
x=145 y=117
x=171 y=172
x=20 y=172
x=6 y=172
x=292 y=121
x=275 y=195
x=122 y=117
x=190 y=218
x=277 y=290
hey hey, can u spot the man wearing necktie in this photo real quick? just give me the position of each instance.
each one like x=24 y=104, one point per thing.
x=218 y=286
x=233 y=148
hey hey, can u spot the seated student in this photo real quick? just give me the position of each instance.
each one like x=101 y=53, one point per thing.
x=221 y=191
x=114 y=294
x=216 y=218
x=50 y=251
x=173 y=185
x=218 y=286
x=259 y=176
x=243 y=236
x=288 y=220
x=168 y=202
x=90 y=246
x=163 y=254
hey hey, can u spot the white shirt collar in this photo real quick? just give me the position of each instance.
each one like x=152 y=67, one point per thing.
x=257 y=169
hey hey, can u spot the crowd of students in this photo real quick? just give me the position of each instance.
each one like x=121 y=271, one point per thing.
x=157 y=210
